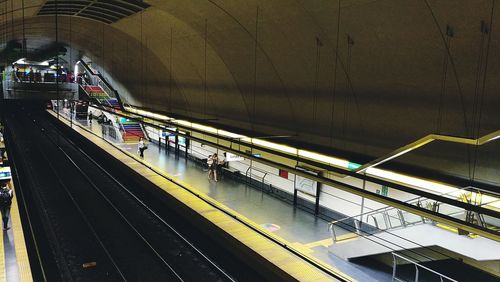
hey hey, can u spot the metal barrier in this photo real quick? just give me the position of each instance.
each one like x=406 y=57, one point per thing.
x=249 y=175
x=418 y=268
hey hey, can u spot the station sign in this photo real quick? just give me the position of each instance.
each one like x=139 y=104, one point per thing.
x=232 y=157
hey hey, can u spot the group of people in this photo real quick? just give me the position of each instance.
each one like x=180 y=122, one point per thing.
x=213 y=161
x=214 y=165
x=30 y=75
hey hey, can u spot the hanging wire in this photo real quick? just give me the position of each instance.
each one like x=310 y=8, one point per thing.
x=481 y=100
x=171 y=70
x=335 y=74
x=57 y=60
x=25 y=52
x=12 y=19
x=477 y=89
x=350 y=43
x=319 y=44
x=452 y=64
x=70 y=44
x=253 y=119
x=205 y=73
x=444 y=74
x=6 y=20
x=479 y=70
x=142 y=61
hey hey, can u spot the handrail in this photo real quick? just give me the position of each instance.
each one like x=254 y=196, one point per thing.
x=380 y=210
x=417 y=265
x=426 y=140
x=103 y=80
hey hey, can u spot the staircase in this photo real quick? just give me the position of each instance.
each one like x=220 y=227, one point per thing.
x=132 y=131
x=114 y=103
x=96 y=92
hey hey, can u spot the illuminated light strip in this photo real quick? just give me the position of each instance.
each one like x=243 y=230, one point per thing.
x=231 y=135
x=431 y=185
x=393 y=176
x=275 y=146
x=418 y=182
x=324 y=158
x=204 y=128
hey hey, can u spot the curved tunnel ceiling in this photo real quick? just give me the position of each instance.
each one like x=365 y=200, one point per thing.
x=357 y=76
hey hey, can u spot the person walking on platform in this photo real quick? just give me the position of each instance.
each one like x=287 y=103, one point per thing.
x=141 y=147
x=5 y=203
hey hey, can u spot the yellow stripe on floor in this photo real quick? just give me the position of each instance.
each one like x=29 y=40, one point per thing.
x=325 y=243
x=3 y=277
x=23 y=262
x=199 y=203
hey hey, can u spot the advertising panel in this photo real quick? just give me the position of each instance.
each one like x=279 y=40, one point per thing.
x=306 y=185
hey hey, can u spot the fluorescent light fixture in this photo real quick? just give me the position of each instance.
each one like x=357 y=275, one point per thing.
x=229 y=134
x=76 y=71
x=324 y=158
x=204 y=127
x=183 y=122
x=21 y=61
x=275 y=146
x=413 y=181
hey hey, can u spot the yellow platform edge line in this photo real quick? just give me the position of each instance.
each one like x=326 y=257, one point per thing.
x=3 y=276
x=210 y=200
x=324 y=242
x=23 y=262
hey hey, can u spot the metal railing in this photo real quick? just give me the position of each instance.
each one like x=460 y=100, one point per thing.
x=249 y=175
x=418 y=269
x=388 y=218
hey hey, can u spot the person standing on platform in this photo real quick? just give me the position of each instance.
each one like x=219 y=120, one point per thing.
x=31 y=75
x=210 y=163
x=141 y=147
x=5 y=203
x=215 y=167
x=90 y=117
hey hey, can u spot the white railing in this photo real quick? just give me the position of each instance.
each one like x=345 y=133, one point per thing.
x=418 y=268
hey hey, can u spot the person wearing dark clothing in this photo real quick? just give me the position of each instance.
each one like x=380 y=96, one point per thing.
x=31 y=75
x=90 y=117
x=5 y=203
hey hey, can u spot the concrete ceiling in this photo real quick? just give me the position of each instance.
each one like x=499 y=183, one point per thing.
x=367 y=79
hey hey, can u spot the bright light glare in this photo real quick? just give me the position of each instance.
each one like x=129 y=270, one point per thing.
x=324 y=159
x=204 y=127
x=275 y=146
x=230 y=134
x=21 y=61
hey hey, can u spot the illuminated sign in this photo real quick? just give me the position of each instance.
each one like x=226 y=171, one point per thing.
x=5 y=173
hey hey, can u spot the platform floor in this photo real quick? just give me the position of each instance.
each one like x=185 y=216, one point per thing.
x=306 y=232
x=14 y=262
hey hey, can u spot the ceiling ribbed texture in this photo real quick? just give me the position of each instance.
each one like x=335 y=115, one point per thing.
x=106 y=11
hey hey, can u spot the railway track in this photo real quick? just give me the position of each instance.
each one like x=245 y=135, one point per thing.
x=95 y=224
